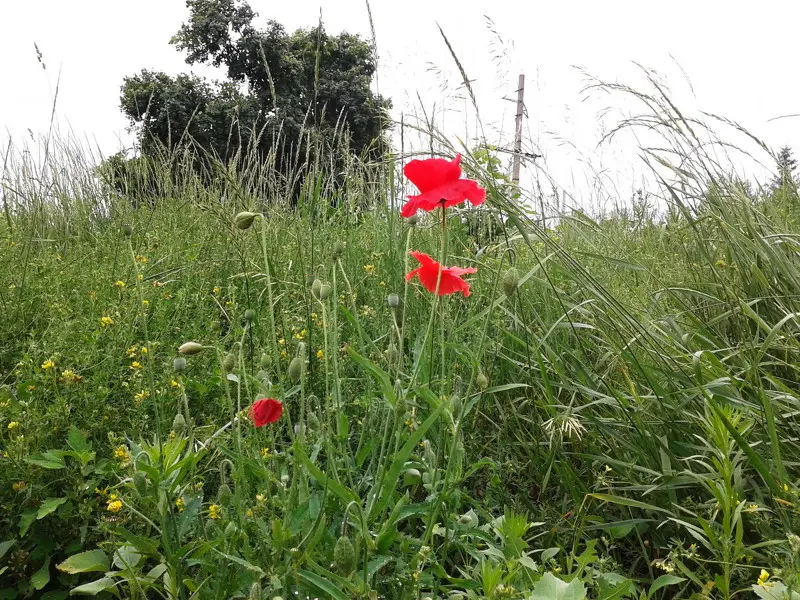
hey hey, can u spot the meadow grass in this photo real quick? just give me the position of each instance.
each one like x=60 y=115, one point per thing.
x=612 y=413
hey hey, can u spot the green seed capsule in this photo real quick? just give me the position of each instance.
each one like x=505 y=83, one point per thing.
x=482 y=380
x=249 y=315
x=229 y=362
x=224 y=495
x=393 y=300
x=127 y=230
x=324 y=292
x=338 y=249
x=179 y=364
x=190 y=348
x=411 y=477
x=265 y=360
x=316 y=286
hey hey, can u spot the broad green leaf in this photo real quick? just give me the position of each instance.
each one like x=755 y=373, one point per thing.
x=344 y=494
x=42 y=577
x=627 y=502
x=77 y=441
x=93 y=588
x=49 y=506
x=6 y=546
x=26 y=520
x=85 y=562
x=550 y=587
x=663 y=581
x=126 y=557
x=378 y=373
x=48 y=460
x=321 y=584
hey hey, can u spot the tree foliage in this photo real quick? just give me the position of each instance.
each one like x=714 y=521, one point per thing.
x=295 y=94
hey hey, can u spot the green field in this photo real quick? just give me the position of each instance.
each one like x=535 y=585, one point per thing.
x=613 y=412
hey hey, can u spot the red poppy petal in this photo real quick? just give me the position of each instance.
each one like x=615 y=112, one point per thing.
x=424 y=259
x=452 y=193
x=432 y=172
x=458 y=271
x=265 y=410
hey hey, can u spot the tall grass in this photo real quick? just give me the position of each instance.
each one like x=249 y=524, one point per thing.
x=615 y=402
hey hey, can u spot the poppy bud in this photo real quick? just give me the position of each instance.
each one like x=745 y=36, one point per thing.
x=140 y=483
x=469 y=519
x=401 y=406
x=295 y=369
x=228 y=362
x=316 y=286
x=249 y=315
x=265 y=360
x=324 y=292
x=127 y=230
x=244 y=220
x=482 y=380
x=255 y=592
x=510 y=281
x=312 y=420
x=344 y=555
x=411 y=477
x=413 y=219
x=391 y=352
x=230 y=529
x=224 y=495
x=179 y=364
x=179 y=424
x=393 y=300
x=338 y=249
x=190 y=348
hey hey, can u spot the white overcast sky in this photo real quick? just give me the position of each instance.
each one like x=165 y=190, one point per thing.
x=740 y=56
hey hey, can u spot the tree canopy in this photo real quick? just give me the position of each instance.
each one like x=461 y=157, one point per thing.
x=286 y=92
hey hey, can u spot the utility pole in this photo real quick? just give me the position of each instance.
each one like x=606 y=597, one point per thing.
x=518 y=130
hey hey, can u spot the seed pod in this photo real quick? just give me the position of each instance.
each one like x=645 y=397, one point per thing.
x=344 y=556
x=338 y=249
x=190 y=348
x=413 y=219
x=249 y=315
x=411 y=477
x=244 y=220
x=401 y=406
x=140 y=483
x=312 y=420
x=127 y=230
x=482 y=380
x=179 y=424
x=224 y=495
x=510 y=281
x=229 y=362
x=393 y=300
x=295 y=369
x=469 y=519
x=179 y=364
x=324 y=292
x=316 y=286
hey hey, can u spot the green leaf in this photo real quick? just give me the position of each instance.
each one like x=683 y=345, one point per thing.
x=42 y=577
x=126 y=557
x=663 y=581
x=6 y=546
x=628 y=502
x=85 y=562
x=378 y=373
x=51 y=459
x=49 y=506
x=26 y=520
x=323 y=585
x=77 y=441
x=344 y=494
x=144 y=545
x=93 y=588
x=550 y=587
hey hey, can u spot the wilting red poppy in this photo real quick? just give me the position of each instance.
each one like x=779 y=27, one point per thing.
x=266 y=410
x=439 y=181
x=428 y=274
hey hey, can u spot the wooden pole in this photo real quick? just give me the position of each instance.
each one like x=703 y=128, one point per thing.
x=518 y=130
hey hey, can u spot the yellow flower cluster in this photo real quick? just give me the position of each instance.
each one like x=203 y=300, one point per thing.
x=119 y=284
x=106 y=321
x=48 y=364
x=113 y=504
x=70 y=376
x=13 y=425
x=142 y=259
x=180 y=504
x=369 y=269
x=214 y=511
x=19 y=486
x=122 y=454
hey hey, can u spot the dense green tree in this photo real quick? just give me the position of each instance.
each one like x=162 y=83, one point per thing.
x=304 y=91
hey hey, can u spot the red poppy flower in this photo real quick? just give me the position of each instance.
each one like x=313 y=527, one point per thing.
x=428 y=274
x=265 y=410
x=439 y=181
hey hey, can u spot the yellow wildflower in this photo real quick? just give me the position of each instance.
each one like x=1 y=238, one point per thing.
x=19 y=486
x=763 y=576
x=264 y=452
x=214 y=511
x=261 y=498
x=140 y=277
x=369 y=269
x=174 y=384
x=752 y=507
x=720 y=264
x=216 y=289
x=144 y=350
x=180 y=504
x=249 y=513
x=121 y=453
x=131 y=352
x=70 y=376
x=106 y=321
x=284 y=354
x=114 y=506
x=136 y=365
x=786 y=488
x=101 y=492
x=13 y=425
x=30 y=388
x=119 y=284
x=145 y=303
x=320 y=354
x=48 y=364
x=139 y=396
x=158 y=284
x=313 y=315
x=300 y=334
x=142 y=259
x=281 y=342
